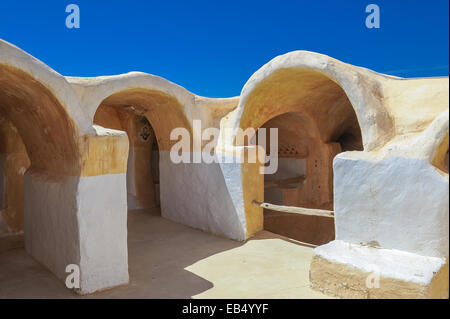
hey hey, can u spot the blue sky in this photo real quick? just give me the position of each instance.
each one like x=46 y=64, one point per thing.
x=213 y=47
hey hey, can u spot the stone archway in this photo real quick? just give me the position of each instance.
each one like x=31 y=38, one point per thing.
x=148 y=117
x=143 y=154
x=45 y=187
x=304 y=177
x=64 y=214
x=317 y=120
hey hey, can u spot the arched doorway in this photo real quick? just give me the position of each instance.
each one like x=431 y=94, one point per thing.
x=304 y=177
x=40 y=172
x=148 y=117
x=315 y=121
x=143 y=154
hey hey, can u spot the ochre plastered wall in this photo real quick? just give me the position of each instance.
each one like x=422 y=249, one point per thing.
x=103 y=154
x=250 y=170
x=15 y=163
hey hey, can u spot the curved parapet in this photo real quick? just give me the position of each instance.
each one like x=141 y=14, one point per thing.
x=176 y=105
x=295 y=79
x=96 y=89
x=14 y=57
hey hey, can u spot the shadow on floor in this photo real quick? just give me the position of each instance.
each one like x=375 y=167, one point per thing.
x=159 y=250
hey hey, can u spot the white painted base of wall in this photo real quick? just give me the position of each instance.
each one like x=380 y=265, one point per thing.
x=204 y=196
x=102 y=219
x=50 y=220
x=82 y=221
x=391 y=202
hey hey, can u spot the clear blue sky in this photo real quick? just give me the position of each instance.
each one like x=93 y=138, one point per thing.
x=212 y=47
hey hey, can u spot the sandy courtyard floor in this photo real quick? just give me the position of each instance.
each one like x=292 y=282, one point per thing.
x=170 y=260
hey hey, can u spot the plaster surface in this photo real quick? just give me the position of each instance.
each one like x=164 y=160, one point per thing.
x=102 y=221
x=408 y=212
x=203 y=196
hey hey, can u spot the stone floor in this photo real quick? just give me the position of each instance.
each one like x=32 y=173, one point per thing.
x=170 y=260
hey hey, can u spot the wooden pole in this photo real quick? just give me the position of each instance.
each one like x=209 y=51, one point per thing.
x=296 y=210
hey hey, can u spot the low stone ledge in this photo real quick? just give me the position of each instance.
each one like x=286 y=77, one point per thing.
x=352 y=271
